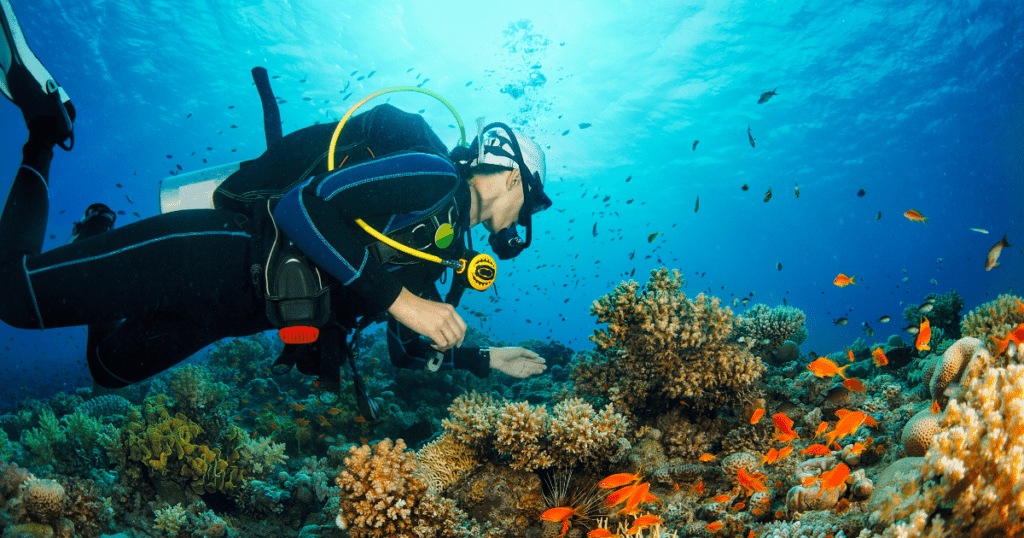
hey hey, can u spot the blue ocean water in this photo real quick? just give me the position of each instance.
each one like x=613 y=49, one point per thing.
x=918 y=103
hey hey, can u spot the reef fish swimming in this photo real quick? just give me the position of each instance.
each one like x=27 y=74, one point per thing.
x=924 y=335
x=822 y=367
x=766 y=96
x=992 y=258
x=753 y=140
x=915 y=216
x=842 y=280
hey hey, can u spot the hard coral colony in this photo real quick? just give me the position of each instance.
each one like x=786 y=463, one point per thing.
x=657 y=432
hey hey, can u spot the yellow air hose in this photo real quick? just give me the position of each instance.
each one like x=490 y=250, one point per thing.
x=458 y=265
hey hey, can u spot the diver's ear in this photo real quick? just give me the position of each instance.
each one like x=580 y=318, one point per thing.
x=513 y=179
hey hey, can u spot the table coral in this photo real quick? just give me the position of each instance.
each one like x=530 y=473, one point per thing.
x=659 y=344
x=971 y=476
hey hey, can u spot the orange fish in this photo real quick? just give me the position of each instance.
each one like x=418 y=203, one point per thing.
x=916 y=216
x=750 y=482
x=1016 y=336
x=706 y=457
x=714 y=527
x=323 y=420
x=822 y=367
x=635 y=498
x=847 y=425
x=821 y=429
x=617 y=497
x=842 y=280
x=699 y=488
x=601 y=533
x=333 y=411
x=770 y=457
x=558 y=514
x=620 y=479
x=782 y=422
x=647 y=521
x=857 y=448
x=854 y=384
x=879 y=357
x=924 y=335
x=935 y=407
x=359 y=419
x=675 y=487
x=870 y=422
x=297 y=407
x=834 y=478
x=721 y=498
x=849 y=355
x=991 y=259
x=816 y=450
x=756 y=417
x=785 y=451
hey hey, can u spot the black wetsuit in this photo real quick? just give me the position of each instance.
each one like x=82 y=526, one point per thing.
x=182 y=280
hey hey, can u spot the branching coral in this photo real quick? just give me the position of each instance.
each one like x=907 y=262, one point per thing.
x=972 y=474
x=573 y=433
x=944 y=313
x=381 y=495
x=658 y=343
x=769 y=328
x=994 y=318
x=443 y=461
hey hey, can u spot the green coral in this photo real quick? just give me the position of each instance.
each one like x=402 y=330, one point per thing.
x=175 y=448
x=193 y=388
x=945 y=313
x=42 y=441
x=769 y=328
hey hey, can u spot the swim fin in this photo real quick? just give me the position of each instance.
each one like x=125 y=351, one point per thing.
x=28 y=84
x=98 y=218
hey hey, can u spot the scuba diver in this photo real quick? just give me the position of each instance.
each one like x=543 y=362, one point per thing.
x=316 y=244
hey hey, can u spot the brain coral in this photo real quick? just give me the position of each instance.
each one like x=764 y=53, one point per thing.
x=918 y=433
x=972 y=473
x=43 y=500
x=659 y=344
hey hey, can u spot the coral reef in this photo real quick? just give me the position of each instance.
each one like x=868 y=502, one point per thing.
x=994 y=318
x=382 y=497
x=105 y=406
x=969 y=483
x=443 y=461
x=509 y=500
x=658 y=344
x=573 y=433
x=917 y=434
x=944 y=313
x=769 y=328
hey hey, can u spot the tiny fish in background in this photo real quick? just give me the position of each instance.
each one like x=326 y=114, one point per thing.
x=751 y=138
x=878 y=216
x=797 y=189
x=652 y=237
x=841 y=321
x=584 y=125
x=766 y=96
x=991 y=259
x=745 y=187
x=696 y=207
x=979 y=230
x=768 y=195
x=861 y=193
x=778 y=266
x=695 y=142
x=884 y=319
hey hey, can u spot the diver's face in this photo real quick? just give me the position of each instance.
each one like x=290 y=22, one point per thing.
x=505 y=210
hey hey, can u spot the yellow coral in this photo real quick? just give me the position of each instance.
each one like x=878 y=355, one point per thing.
x=664 y=343
x=994 y=318
x=918 y=433
x=973 y=469
x=444 y=461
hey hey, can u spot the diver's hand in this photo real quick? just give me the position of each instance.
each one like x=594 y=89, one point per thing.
x=517 y=361
x=437 y=321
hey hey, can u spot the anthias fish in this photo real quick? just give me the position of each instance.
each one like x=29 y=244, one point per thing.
x=991 y=259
